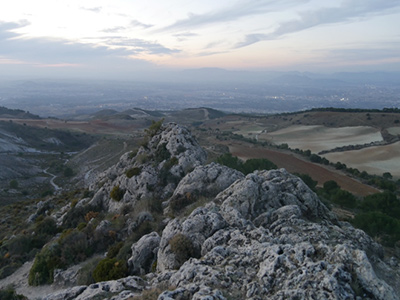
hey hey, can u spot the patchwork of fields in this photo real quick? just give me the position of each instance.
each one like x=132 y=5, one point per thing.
x=374 y=160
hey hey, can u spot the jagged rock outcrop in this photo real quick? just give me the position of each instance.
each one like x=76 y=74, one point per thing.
x=207 y=180
x=123 y=288
x=261 y=236
x=153 y=171
x=269 y=236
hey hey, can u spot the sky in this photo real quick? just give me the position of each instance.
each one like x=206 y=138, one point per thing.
x=119 y=38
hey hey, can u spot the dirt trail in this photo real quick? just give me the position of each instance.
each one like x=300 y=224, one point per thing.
x=294 y=164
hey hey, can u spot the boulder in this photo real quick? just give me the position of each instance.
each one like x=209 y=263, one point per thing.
x=144 y=254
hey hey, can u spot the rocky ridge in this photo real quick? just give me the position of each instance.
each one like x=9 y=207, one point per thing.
x=261 y=236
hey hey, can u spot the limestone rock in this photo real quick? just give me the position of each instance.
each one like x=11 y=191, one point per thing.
x=154 y=171
x=144 y=254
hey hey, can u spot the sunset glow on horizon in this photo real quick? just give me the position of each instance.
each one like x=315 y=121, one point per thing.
x=127 y=36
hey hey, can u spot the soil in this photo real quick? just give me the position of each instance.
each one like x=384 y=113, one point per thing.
x=295 y=164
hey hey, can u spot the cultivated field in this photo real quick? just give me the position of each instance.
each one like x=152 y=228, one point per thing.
x=317 y=138
x=374 y=160
x=295 y=164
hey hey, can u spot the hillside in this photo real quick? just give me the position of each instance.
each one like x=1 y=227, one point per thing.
x=162 y=223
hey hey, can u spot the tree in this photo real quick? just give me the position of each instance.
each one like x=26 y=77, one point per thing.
x=344 y=199
x=330 y=186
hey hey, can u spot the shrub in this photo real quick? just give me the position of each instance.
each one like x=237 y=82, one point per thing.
x=47 y=226
x=133 y=172
x=43 y=267
x=379 y=225
x=154 y=128
x=181 y=201
x=114 y=249
x=307 y=179
x=14 y=184
x=91 y=215
x=330 y=186
x=344 y=198
x=162 y=153
x=110 y=269
x=182 y=247
x=10 y=294
x=117 y=193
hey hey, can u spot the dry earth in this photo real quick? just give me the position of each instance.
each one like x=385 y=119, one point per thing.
x=317 y=138
x=293 y=163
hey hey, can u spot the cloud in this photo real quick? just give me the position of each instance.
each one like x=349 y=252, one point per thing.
x=136 y=23
x=231 y=13
x=184 y=36
x=7 y=27
x=48 y=51
x=114 y=29
x=350 y=10
x=93 y=9
x=140 y=46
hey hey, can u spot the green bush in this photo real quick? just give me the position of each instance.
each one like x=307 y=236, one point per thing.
x=154 y=128
x=10 y=294
x=117 y=193
x=307 y=179
x=385 y=202
x=43 y=267
x=331 y=186
x=162 y=153
x=114 y=249
x=246 y=167
x=344 y=199
x=133 y=172
x=47 y=226
x=14 y=184
x=379 y=225
x=182 y=247
x=110 y=269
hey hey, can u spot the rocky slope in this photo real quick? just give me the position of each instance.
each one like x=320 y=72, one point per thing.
x=261 y=236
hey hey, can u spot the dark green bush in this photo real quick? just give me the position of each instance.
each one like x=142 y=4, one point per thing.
x=154 y=128
x=110 y=269
x=117 y=193
x=10 y=294
x=246 y=167
x=182 y=247
x=43 y=267
x=181 y=201
x=307 y=179
x=331 y=186
x=344 y=199
x=114 y=249
x=47 y=226
x=133 y=172
x=379 y=225
x=385 y=202
x=162 y=153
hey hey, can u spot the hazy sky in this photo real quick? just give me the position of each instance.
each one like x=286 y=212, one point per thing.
x=88 y=38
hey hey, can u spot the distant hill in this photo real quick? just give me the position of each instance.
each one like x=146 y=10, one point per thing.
x=16 y=113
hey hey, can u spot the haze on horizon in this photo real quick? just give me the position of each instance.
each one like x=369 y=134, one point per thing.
x=127 y=39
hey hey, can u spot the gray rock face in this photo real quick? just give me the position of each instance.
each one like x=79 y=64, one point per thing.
x=269 y=236
x=144 y=254
x=207 y=181
x=156 y=169
x=123 y=288
x=263 y=236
